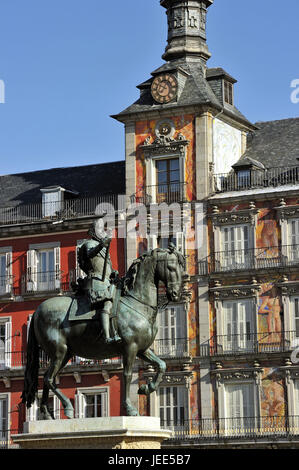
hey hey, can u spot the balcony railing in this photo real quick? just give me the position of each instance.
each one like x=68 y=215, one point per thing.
x=268 y=178
x=172 y=348
x=250 y=343
x=233 y=428
x=64 y=210
x=257 y=258
x=6 y=285
x=168 y=193
x=17 y=359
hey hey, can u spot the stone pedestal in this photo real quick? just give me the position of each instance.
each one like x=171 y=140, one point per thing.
x=93 y=433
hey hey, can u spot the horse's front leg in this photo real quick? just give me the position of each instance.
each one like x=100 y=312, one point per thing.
x=150 y=356
x=129 y=357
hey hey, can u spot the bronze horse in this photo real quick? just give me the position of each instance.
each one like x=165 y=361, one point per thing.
x=137 y=309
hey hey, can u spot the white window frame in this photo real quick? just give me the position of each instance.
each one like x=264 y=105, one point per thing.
x=224 y=412
x=7 y=252
x=151 y=176
x=5 y=437
x=55 y=204
x=79 y=271
x=222 y=332
x=33 y=284
x=180 y=241
x=5 y=362
x=220 y=314
x=80 y=404
x=155 y=405
x=240 y=254
x=171 y=339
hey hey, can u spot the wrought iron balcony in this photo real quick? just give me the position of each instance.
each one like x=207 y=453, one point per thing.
x=251 y=179
x=172 y=348
x=55 y=211
x=168 y=193
x=17 y=359
x=42 y=282
x=250 y=343
x=205 y=430
x=6 y=286
x=251 y=259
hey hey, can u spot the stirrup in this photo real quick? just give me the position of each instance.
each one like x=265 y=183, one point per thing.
x=116 y=339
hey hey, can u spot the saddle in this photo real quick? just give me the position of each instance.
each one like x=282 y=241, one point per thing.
x=81 y=308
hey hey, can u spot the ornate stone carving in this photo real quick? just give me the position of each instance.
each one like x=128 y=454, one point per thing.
x=165 y=145
x=227 y=375
x=288 y=288
x=235 y=292
x=285 y=212
x=247 y=216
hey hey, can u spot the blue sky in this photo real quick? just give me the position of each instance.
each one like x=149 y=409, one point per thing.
x=68 y=65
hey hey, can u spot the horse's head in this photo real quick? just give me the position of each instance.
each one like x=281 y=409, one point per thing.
x=170 y=267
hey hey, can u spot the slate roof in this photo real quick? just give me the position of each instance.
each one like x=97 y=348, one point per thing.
x=274 y=143
x=88 y=181
x=197 y=91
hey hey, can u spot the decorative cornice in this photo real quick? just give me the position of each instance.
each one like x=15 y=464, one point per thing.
x=183 y=377
x=164 y=145
x=238 y=374
x=244 y=216
x=235 y=292
x=288 y=288
x=285 y=212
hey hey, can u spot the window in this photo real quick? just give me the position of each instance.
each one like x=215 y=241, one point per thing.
x=295 y=321
x=168 y=180
x=293 y=241
x=51 y=202
x=5 y=343
x=43 y=268
x=3 y=419
x=235 y=245
x=162 y=242
x=173 y=406
x=171 y=338
x=239 y=407
x=228 y=92
x=244 y=177
x=92 y=403
x=238 y=326
x=5 y=271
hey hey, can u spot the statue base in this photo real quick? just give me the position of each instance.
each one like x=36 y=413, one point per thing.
x=124 y=432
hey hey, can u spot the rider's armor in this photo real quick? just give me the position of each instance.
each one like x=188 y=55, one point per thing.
x=100 y=292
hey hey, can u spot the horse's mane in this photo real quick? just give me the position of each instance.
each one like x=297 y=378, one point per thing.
x=129 y=280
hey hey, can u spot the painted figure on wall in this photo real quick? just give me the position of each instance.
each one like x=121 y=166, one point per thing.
x=271 y=308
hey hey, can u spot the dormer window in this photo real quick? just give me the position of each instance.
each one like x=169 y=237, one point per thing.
x=228 y=93
x=56 y=199
x=52 y=200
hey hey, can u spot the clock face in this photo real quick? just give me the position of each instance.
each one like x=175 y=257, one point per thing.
x=164 y=88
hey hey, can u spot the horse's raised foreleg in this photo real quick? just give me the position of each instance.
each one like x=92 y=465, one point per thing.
x=150 y=357
x=129 y=357
x=56 y=364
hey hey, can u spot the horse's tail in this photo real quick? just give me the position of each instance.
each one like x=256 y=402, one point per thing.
x=32 y=366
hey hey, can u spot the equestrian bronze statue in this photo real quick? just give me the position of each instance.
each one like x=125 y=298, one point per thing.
x=68 y=326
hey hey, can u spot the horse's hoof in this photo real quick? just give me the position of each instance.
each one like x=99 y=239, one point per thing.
x=69 y=413
x=131 y=410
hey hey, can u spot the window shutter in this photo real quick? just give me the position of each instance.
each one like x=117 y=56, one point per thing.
x=151 y=242
x=8 y=351
x=31 y=271
x=79 y=405
x=57 y=267
x=9 y=272
x=56 y=405
x=180 y=242
x=296 y=316
x=105 y=411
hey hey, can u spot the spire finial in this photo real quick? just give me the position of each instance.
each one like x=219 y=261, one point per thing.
x=186 y=29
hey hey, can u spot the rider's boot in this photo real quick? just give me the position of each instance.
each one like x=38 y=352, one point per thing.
x=105 y=316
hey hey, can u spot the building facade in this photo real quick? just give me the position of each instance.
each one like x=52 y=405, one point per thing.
x=233 y=186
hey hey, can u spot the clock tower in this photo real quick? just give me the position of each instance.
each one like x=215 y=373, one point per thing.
x=182 y=131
